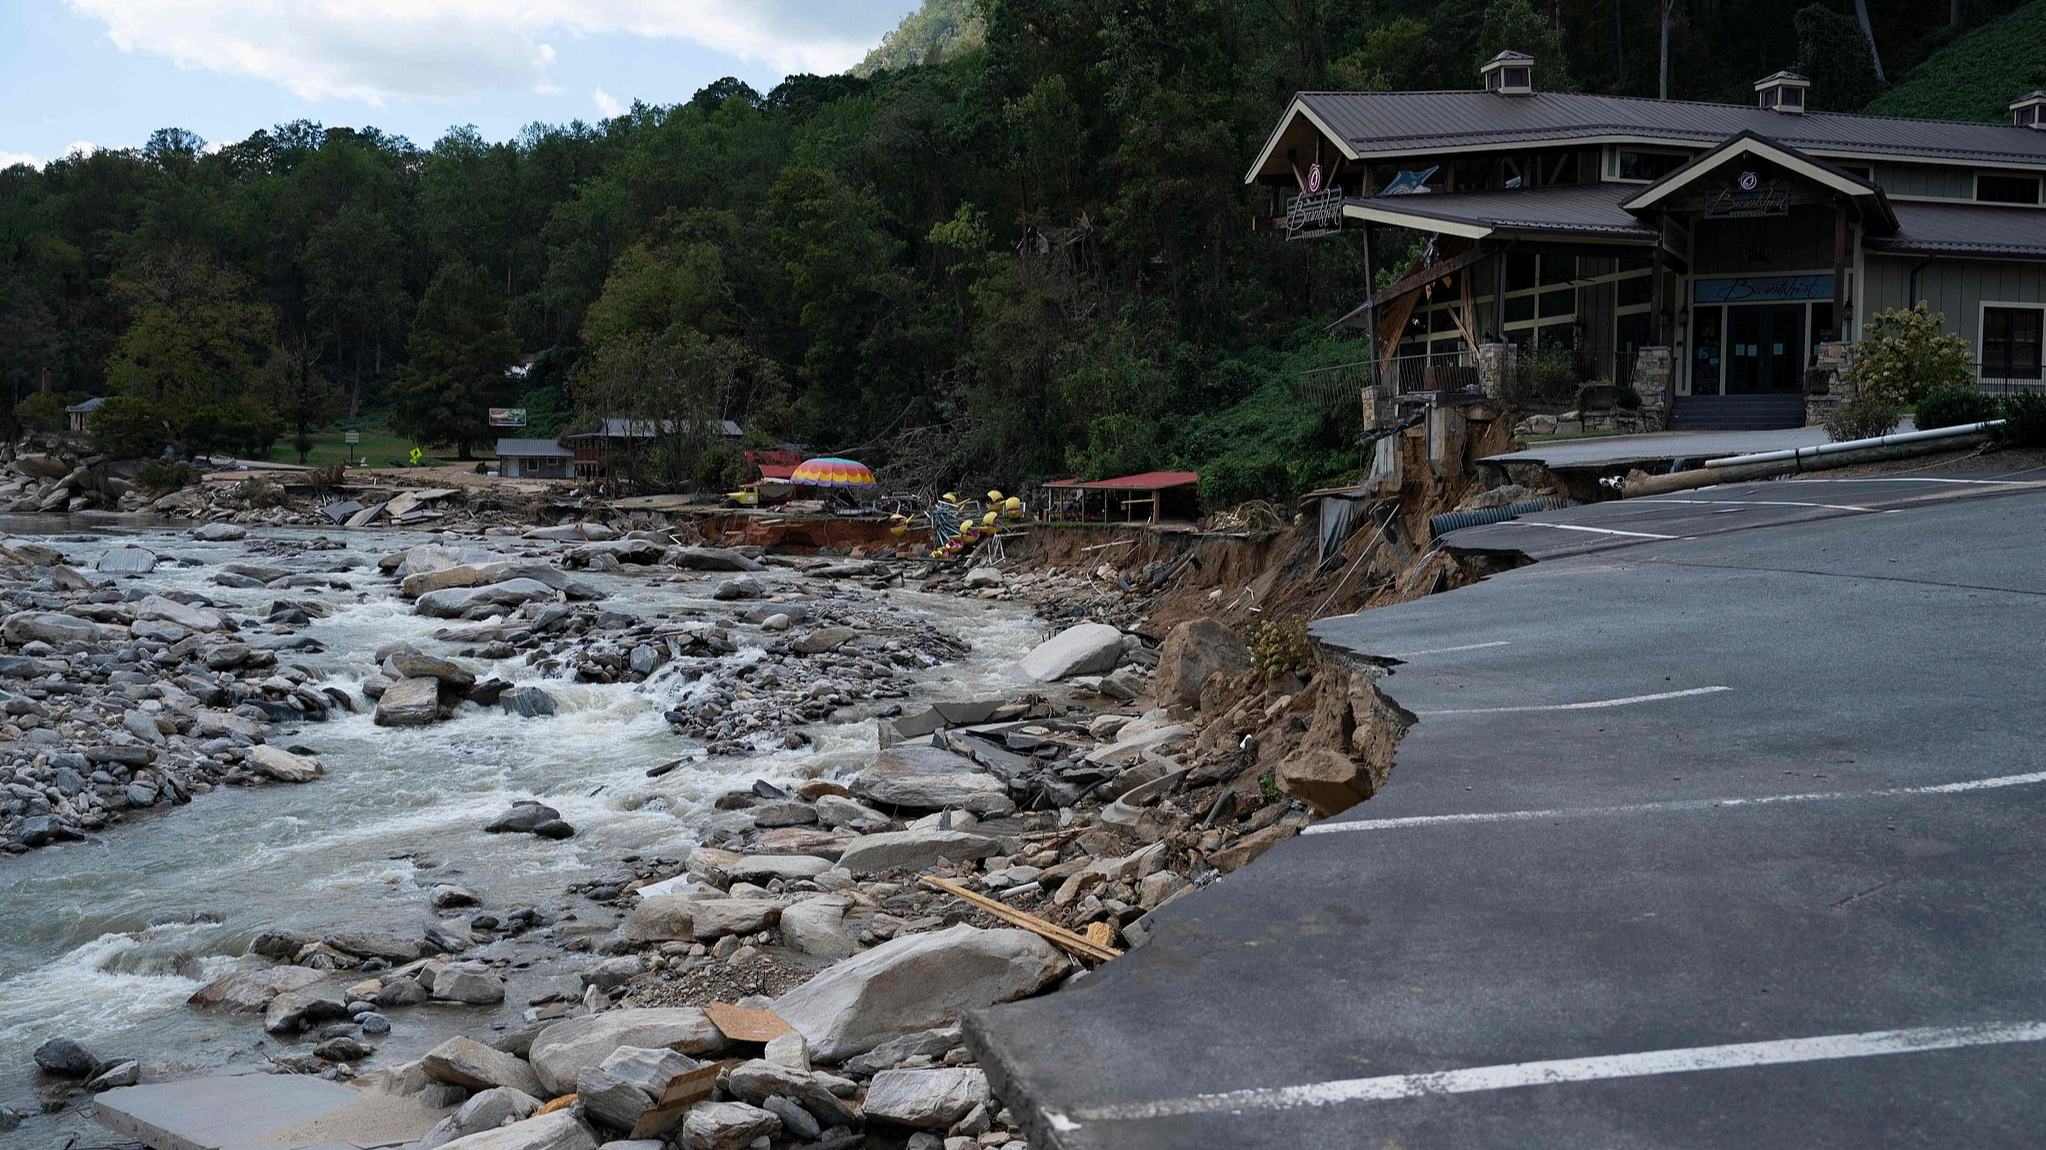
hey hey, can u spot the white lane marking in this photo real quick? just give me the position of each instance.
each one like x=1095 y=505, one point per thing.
x=1552 y=1072
x=1594 y=705
x=1963 y=787
x=1449 y=650
x=1772 y=503
x=1592 y=530
x=1926 y=479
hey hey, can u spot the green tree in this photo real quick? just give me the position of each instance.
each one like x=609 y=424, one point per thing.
x=460 y=351
x=1515 y=25
x=1834 y=54
x=193 y=340
x=129 y=427
x=41 y=412
x=298 y=392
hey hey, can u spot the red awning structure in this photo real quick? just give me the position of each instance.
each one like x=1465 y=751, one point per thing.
x=776 y=471
x=1151 y=497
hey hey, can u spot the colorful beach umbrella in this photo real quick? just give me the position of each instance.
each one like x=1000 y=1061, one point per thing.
x=831 y=472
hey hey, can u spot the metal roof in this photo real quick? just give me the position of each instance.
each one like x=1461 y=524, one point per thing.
x=1567 y=209
x=89 y=405
x=1964 y=229
x=1397 y=123
x=1147 y=481
x=528 y=448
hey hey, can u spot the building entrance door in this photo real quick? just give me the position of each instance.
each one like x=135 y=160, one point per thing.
x=1764 y=349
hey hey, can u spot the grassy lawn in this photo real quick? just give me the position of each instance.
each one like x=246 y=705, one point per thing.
x=383 y=448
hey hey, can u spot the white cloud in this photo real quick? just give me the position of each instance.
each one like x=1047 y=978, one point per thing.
x=607 y=104
x=9 y=159
x=81 y=148
x=374 y=50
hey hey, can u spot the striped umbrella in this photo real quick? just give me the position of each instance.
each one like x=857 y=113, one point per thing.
x=831 y=472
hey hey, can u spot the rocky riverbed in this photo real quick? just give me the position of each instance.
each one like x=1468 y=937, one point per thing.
x=571 y=788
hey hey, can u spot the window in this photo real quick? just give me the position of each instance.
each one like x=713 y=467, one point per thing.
x=1991 y=189
x=1635 y=290
x=1858 y=171
x=2010 y=342
x=1648 y=166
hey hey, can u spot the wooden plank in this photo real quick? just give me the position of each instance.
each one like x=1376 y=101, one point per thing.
x=684 y=1091
x=742 y=1025
x=1076 y=944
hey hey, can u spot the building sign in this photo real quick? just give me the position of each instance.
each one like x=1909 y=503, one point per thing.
x=507 y=417
x=352 y=437
x=1314 y=179
x=1748 y=196
x=1315 y=214
x=1763 y=289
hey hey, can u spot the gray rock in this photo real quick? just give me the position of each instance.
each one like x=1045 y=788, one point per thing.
x=527 y=702
x=839 y=811
x=757 y=1080
x=468 y=982
x=782 y=813
x=573 y=533
x=683 y=918
x=923 y=778
x=913 y=850
x=409 y=703
x=727 y=1126
x=744 y=587
x=926 y=1099
x=613 y=973
x=284 y=766
x=894 y=1052
x=563 y=1050
x=127 y=561
x=1193 y=651
x=649 y=1068
x=713 y=559
x=795 y=1121
x=762 y=869
x=609 y=1100
x=412 y=664
x=561 y=1130
x=220 y=532
x=466 y=1062
x=129 y=1072
x=294 y=1009
x=1088 y=649
x=248 y=991
x=342 y=1048
x=916 y=982
x=486 y=1111
x=816 y=927
x=65 y=1056
x=182 y=614
x=477 y=602
x=522 y=818
x=48 y=627
x=399 y=992
x=825 y=639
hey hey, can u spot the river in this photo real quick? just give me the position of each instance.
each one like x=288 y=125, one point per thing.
x=104 y=940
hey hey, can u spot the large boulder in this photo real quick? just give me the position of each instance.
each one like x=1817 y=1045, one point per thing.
x=573 y=533
x=913 y=850
x=762 y=869
x=409 y=703
x=414 y=664
x=924 y=778
x=486 y=1111
x=251 y=990
x=48 y=627
x=758 y=1080
x=527 y=702
x=687 y=918
x=478 y=602
x=926 y=1099
x=127 y=561
x=1193 y=651
x=466 y=1062
x=560 y=1130
x=727 y=1126
x=1088 y=649
x=916 y=982
x=184 y=615
x=714 y=559
x=284 y=766
x=565 y=1049
x=816 y=926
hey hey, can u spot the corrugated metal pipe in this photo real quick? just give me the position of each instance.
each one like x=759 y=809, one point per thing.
x=1440 y=525
x=1763 y=465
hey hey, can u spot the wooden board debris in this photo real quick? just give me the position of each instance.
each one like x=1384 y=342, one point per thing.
x=1077 y=945
x=742 y=1025
x=684 y=1090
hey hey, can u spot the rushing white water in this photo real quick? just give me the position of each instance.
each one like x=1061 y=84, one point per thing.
x=104 y=940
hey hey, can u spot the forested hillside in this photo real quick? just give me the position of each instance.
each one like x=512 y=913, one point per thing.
x=1033 y=256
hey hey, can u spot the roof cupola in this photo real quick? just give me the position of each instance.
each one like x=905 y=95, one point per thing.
x=1782 y=92
x=2029 y=110
x=1509 y=73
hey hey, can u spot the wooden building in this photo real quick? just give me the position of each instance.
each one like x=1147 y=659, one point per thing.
x=1742 y=239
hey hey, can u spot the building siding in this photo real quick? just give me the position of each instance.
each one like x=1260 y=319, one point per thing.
x=1944 y=183
x=1957 y=288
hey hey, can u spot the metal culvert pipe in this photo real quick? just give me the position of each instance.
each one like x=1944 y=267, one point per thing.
x=1440 y=525
x=1740 y=468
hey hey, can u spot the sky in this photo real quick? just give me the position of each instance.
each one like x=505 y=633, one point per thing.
x=106 y=73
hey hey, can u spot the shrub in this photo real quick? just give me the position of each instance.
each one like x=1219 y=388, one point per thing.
x=128 y=428
x=1626 y=398
x=259 y=493
x=41 y=412
x=1953 y=407
x=244 y=426
x=2024 y=421
x=1905 y=354
x=1551 y=370
x=1278 y=649
x=1865 y=417
x=161 y=475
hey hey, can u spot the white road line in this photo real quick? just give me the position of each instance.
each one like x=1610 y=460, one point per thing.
x=1592 y=530
x=1771 y=503
x=1963 y=787
x=1925 y=479
x=1594 y=705
x=1476 y=1079
x=1450 y=650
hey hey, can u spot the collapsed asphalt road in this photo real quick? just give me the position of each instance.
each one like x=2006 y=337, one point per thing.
x=1732 y=840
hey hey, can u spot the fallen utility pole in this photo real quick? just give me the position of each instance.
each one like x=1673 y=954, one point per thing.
x=1823 y=457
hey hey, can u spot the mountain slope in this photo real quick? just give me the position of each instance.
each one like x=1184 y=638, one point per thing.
x=1977 y=76
x=928 y=35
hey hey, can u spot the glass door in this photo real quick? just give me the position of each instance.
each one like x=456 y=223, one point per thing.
x=1764 y=349
x=1706 y=331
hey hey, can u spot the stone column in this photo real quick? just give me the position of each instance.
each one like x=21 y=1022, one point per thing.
x=1495 y=368
x=1653 y=380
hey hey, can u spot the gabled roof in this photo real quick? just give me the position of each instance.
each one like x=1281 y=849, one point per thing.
x=90 y=405
x=1591 y=210
x=1875 y=206
x=530 y=448
x=1390 y=124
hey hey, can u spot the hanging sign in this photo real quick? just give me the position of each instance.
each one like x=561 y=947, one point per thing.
x=1749 y=196
x=1314 y=214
